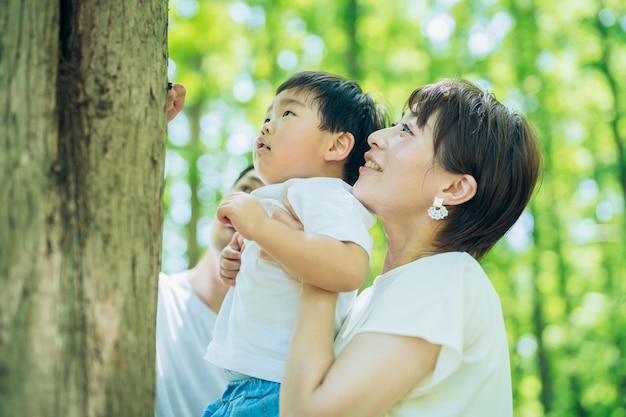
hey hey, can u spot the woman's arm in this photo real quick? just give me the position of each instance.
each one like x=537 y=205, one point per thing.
x=372 y=373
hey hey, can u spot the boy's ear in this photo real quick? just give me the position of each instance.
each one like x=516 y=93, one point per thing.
x=340 y=147
x=462 y=188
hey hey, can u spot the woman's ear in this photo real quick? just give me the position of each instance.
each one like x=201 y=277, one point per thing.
x=340 y=146
x=462 y=189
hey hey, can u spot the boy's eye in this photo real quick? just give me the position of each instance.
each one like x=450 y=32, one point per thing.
x=266 y=120
x=405 y=128
x=287 y=113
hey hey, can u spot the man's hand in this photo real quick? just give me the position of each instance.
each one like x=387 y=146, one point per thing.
x=175 y=100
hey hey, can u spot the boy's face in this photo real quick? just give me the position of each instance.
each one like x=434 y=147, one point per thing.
x=291 y=144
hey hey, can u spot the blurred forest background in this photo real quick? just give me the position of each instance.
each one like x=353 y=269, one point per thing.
x=561 y=269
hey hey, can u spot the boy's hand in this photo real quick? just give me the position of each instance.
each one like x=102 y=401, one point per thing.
x=175 y=100
x=242 y=211
x=230 y=260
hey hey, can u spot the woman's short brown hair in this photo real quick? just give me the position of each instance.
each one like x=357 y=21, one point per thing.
x=477 y=135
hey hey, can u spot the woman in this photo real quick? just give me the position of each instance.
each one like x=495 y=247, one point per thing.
x=427 y=338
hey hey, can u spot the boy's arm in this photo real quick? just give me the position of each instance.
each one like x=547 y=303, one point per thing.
x=317 y=259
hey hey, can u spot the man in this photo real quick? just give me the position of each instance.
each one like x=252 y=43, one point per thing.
x=188 y=303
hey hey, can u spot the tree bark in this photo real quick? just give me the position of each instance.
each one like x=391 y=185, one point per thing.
x=82 y=105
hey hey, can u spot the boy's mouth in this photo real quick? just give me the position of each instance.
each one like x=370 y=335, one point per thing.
x=261 y=145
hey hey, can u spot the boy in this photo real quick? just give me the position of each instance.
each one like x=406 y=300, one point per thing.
x=309 y=150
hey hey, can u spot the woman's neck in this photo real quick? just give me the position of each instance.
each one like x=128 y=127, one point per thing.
x=407 y=243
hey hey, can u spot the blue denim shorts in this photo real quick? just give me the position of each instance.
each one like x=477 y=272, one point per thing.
x=247 y=397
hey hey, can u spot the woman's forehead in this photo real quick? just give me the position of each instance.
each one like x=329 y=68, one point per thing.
x=411 y=116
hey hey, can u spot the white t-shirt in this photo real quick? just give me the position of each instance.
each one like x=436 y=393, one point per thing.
x=446 y=299
x=186 y=383
x=254 y=326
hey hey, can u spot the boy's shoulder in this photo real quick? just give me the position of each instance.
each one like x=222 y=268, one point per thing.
x=308 y=185
x=318 y=182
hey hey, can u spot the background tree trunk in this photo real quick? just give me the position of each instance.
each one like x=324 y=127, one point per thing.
x=82 y=110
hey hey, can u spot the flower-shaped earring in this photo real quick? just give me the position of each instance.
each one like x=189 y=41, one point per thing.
x=437 y=211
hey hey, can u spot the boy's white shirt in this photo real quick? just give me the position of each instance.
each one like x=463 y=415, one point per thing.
x=254 y=326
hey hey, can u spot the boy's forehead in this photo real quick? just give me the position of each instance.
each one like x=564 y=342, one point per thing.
x=292 y=96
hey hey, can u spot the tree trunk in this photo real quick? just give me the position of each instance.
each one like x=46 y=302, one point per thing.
x=82 y=145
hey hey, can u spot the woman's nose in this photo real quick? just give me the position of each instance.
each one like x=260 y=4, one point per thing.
x=378 y=138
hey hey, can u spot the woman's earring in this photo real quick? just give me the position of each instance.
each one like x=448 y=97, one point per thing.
x=437 y=211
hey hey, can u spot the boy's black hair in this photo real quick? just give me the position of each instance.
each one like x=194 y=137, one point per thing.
x=343 y=107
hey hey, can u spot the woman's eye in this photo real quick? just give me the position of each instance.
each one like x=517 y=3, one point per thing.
x=246 y=189
x=405 y=128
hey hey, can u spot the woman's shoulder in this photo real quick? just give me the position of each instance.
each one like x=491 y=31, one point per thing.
x=445 y=265
x=452 y=276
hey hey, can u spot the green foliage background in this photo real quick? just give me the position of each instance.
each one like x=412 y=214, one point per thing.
x=561 y=270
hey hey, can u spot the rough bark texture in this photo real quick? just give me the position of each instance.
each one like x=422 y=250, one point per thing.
x=82 y=145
